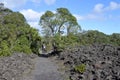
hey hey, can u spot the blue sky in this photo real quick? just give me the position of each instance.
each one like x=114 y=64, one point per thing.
x=102 y=15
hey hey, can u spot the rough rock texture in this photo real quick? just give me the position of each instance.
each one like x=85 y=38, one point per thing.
x=20 y=66
x=15 y=66
x=102 y=62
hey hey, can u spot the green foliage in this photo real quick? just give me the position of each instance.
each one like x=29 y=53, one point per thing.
x=22 y=45
x=86 y=38
x=4 y=49
x=80 y=68
x=62 y=20
x=59 y=42
x=46 y=22
x=36 y=45
x=55 y=24
x=16 y=35
x=91 y=37
x=35 y=40
x=115 y=39
x=15 y=18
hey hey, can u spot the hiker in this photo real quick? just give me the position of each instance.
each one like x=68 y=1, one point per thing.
x=43 y=47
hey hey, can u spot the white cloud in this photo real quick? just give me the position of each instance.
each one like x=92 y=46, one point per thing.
x=19 y=3
x=99 y=12
x=89 y=17
x=113 y=6
x=49 y=2
x=36 y=1
x=13 y=3
x=34 y=24
x=32 y=17
x=115 y=17
x=99 y=8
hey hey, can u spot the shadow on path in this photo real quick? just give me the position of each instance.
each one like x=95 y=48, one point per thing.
x=52 y=53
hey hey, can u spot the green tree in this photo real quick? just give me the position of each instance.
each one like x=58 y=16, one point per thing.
x=16 y=35
x=4 y=48
x=46 y=21
x=53 y=23
x=67 y=21
x=115 y=39
x=93 y=36
x=15 y=18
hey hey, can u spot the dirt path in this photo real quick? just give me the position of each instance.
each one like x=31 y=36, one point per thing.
x=44 y=69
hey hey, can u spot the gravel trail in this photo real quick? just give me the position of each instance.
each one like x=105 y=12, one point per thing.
x=44 y=69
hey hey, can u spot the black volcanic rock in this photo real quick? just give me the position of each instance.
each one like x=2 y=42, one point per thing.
x=15 y=66
x=102 y=62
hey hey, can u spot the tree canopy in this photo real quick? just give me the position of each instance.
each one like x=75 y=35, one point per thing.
x=16 y=35
x=60 y=21
x=53 y=24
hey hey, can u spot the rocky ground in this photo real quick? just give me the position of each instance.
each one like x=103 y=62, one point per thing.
x=102 y=62
x=20 y=66
x=15 y=66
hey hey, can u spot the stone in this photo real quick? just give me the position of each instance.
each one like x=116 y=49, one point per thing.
x=102 y=62
x=15 y=66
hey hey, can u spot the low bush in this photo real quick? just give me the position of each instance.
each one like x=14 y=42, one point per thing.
x=80 y=68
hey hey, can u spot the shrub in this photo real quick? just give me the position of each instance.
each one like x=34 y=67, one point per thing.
x=4 y=49
x=22 y=45
x=80 y=68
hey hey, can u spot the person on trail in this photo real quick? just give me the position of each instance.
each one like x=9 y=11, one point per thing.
x=43 y=47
